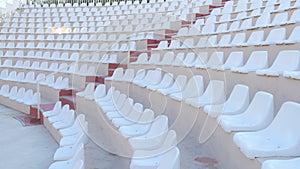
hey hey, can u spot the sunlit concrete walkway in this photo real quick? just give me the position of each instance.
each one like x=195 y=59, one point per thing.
x=29 y=147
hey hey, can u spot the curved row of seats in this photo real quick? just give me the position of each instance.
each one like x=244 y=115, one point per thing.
x=54 y=56
x=107 y=4
x=76 y=37
x=87 y=21
x=21 y=77
x=74 y=47
x=21 y=95
x=258 y=62
x=72 y=68
x=70 y=153
x=147 y=135
x=276 y=36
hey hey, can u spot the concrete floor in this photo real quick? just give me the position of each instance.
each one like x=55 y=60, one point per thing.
x=29 y=147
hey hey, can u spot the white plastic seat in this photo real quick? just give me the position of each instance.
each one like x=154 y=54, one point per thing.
x=152 y=77
x=56 y=110
x=255 y=38
x=40 y=77
x=162 y=45
x=216 y=60
x=30 y=98
x=59 y=116
x=280 y=138
x=257 y=116
x=279 y=164
x=238 y=39
x=152 y=158
x=295 y=16
x=89 y=90
x=178 y=59
x=4 y=74
x=157 y=135
x=257 y=60
x=154 y=59
x=235 y=59
x=293 y=38
x=74 y=134
x=264 y=19
x=140 y=74
x=280 y=19
x=122 y=110
x=144 y=124
x=237 y=102
x=276 y=36
x=167 y=59
x=66 y=121
x=174 y=44
x=214 y=94
x=12 y=76
x=128 y=75
x=110 y=98
x=177 y=86
x=287 y=60
x=166 y=82
x=189 y=59
x=29 y=77
x=142 y=59
x=224 y=41
x=20 y=93
x=4 y=91
x=201 y=60
x=117 y=75
x=76 y=161
x=131 y=118
x=112 y=105
x=193 y=88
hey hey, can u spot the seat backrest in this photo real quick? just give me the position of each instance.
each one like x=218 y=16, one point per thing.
x=154 y=59
x=287 y=60
x=235 y=59
x=256 y=37
x=178 y=59
x=162 y=45
x=263 y=20
x=225 y=40
x=189 y=58
x=296 y=15
x=146 y=117
x=276 y=35
x=118 y=74
x=215 y=60
x=286 y=121
x=238 y=38
x=294 y=36
x=257 y=60
x=194 y=87
x=126 y=108
x=30 y=76
x=174 y=44
x=215 y=92
x=239 y=98
x=280 y=18
x=140 y=74
x=167 y=58
x=261 y=107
